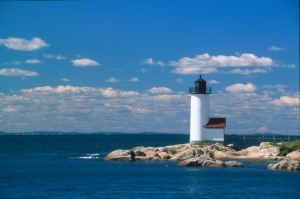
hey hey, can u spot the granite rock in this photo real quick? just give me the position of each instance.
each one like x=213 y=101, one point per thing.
x=120 y=155
x=295 y=155
x=287 y=164
x=204 y=161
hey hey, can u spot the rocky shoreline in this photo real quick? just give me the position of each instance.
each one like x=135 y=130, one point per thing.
x=209 y=155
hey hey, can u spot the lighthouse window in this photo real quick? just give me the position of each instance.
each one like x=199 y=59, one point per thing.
x=196 y=84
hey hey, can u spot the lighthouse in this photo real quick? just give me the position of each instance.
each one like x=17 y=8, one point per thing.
x=202 y=127
x=199 y=110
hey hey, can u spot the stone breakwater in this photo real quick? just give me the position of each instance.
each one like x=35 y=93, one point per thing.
x=205 y=156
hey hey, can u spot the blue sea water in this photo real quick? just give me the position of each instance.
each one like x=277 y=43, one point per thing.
x=72 y=166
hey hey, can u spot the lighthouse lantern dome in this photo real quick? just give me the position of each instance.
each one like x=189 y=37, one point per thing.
x=200 y=87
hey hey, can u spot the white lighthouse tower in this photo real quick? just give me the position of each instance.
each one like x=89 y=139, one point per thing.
x=199 y=110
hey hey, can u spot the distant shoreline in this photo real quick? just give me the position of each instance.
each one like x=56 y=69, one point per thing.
x=126 y=133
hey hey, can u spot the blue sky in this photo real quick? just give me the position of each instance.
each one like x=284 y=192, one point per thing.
x=126 y=66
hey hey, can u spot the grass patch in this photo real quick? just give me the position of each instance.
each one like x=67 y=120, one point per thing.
x=287 y=147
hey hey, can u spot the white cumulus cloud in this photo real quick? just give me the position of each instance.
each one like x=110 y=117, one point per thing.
x=12 y=62
x=33 y=61
x=156 y=90
x=205 y=63
x=262 y=129
x=246 y=71
x=213 y=82
x=89 y=109
x=9 y=109
x=134 y=79
x=241 y=88
x=290 y=66
x=112 y=79
x=150 y=61
x=58 y=89
x=286 y=100
x=160 y=63
x=84 y=62
x=143 y=70
x=112 y=93
x=274 y=48
x=23 y=44
x=17 y=72
x=50 y=56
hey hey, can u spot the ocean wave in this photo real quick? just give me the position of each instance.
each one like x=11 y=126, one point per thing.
x=88 y=156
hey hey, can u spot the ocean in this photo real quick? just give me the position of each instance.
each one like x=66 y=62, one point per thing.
x=72 y=166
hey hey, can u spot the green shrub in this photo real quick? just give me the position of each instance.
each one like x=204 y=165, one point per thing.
x=287 y=147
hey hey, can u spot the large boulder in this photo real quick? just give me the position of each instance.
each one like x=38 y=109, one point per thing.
x=208 y=153
x=150 y=152
x=213 y=163
x=270 y=150
x=176 y=148
x=222 y=155
x=295 y=155
x=287 y=164
x=199 y=152
x=198 y=161
x=189 y=153
x=120 y=155
x=265 y=151
x=138 y=151
x=204 y=161
x=189 y=162
x=163 y=155
x=218 y=151
x=220 y=147
x=169 y=151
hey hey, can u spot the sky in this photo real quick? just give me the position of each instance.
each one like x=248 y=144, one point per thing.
x=126 y=66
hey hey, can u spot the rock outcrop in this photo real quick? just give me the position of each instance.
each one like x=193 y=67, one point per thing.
x=180 y=152
x=295 y=155
x=287 y=164
x=209 y=155
x=265 y=151
x=175 y=153
x=291 y=162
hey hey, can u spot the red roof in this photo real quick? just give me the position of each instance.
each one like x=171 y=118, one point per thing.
x=216 y=123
